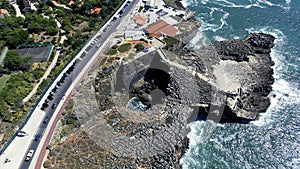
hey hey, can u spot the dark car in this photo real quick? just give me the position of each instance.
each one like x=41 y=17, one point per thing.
x=43 y=108
x=62 y=80
x=50 y=97
x=45 y=105
x=54 y=90
x=58 y=84
x=70 y=69
x=54 y=105
x=75 y=62
x=46 y=100
x=51 y=93
x=37 y=137
x=46 y=120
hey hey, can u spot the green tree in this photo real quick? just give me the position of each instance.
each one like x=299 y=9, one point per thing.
x=14 y=62
x=124 y=47
x=139 y=47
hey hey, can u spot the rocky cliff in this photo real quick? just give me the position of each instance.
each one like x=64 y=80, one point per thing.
x=136 y=110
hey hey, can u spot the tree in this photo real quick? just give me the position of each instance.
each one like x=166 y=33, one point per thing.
x=124 y=47
x=14 y=62
x=139 y=47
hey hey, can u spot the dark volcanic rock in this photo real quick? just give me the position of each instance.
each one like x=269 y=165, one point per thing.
x=233 y=50
x=261 y=43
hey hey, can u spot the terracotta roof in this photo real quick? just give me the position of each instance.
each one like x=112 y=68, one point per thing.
x=159 y=27
x=96 y=10
x=71 y=2
x=140 y=19
x=3 y=11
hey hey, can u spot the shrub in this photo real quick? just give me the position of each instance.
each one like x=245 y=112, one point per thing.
x=139 y=47
x=124 y=47
x=111 y=52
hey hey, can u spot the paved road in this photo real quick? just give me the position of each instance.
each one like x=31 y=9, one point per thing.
x=19 y=147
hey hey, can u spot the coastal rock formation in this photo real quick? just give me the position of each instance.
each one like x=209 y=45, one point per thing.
x=242 y=72
x=230 y=82
x=142 y=105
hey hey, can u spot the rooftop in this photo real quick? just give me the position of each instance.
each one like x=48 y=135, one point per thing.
x=96 y=10
x=3 y=11
x=140 y=19
x=157 y=28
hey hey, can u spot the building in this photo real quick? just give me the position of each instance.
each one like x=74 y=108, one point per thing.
x=160 y=28
x=3 y=13
x=96 y=10
x=150 y=3
x=140 y=20
x=134 y=35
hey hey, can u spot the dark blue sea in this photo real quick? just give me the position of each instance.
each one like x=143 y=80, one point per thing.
x=273 y=141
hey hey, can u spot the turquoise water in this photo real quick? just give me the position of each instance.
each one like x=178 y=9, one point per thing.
x=274 y=140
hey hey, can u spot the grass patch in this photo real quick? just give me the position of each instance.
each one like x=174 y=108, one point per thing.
x=111 y=52
x=124 y=47
x=3 y=80
x=170 y=42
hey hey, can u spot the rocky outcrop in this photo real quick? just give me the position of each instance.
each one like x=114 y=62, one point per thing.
x=242 y=71
x=227 y=81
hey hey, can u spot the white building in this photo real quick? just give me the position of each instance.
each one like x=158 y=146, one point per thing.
x=151 y=3
x=134 y=34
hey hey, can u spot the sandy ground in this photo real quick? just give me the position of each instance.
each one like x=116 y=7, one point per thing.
x=226 y=73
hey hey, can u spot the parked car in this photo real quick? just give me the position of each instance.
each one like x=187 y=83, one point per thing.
x=46 y=100
x=56 y=87
x=46 y=120
x=29 y=155
x=45 y=105
x=54 y=105
x=37 y=137
x=50 y=98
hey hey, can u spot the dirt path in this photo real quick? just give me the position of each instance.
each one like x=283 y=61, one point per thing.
x=48 y=71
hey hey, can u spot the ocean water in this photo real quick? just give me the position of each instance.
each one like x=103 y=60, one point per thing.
x=273 y=141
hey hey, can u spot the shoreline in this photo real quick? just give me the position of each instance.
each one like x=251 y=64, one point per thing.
x=158 y=138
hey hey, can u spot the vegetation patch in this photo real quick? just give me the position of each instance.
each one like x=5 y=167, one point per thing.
x=124 y=47
x=140 y=9
x=111 y=52
x=170 y=42
x=3 y=80
x=139 y=47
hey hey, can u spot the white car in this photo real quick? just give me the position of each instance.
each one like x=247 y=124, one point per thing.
x=29 y=155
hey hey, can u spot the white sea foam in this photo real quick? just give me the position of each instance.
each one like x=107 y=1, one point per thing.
x=268 y=3
x=214 y=27
x=219 y=38
x=229 y=4
x=200 y=40
x=200 y=133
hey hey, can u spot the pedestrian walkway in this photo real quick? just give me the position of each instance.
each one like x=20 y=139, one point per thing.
x=193 y=72
x=48 y=71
